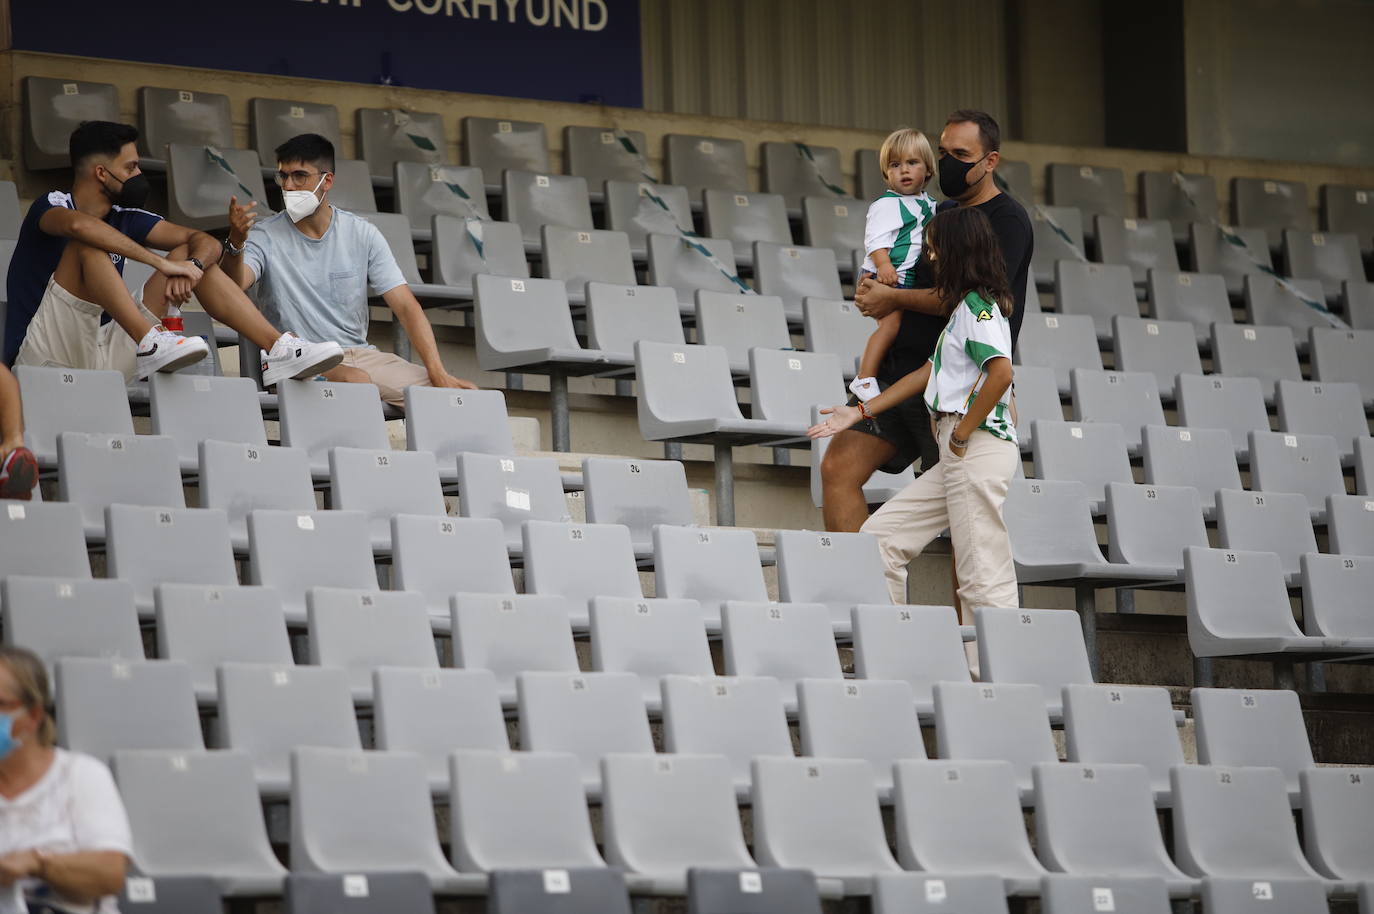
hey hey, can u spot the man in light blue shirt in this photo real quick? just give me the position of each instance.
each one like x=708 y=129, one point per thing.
x=314 y=264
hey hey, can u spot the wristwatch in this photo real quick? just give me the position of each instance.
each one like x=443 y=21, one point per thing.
x=233 y=249
x=199 y=266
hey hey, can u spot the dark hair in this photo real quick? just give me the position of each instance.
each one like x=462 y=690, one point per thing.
x=968 y=258
x=99 y=138
x=989 y=134
x=31 y=677
x=310 y=148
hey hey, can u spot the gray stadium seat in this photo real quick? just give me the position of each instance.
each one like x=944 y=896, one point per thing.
x=1164 y=348
x=192 y=408
x=599 y=155
x=1266 y=353
x=1005 y=721
x=1150 y=525
x=587 y=714
x=1101 y=290
x=11 y=216
x=60 y=617
x=358 y=893
x=1262 y=896
x=1343 y=355
x=840 y=570
x=455 y=260
x=837 y=327
x=1093 y=191
x=650 y=638
x=868 y=174
x=962 y=818
x=630 y=210
x=1087 y=452
x=1074 y=836
x=425 y=190
x=106 y=704
x=1338 y=813
x=787 y=641
x=1364 y=466
x=578 y=256
x=834 y=222
x=1335 y=592
x=273 y=121
x=580 y=561
x=395 y=229
x=1059 y=341
x=268 y=711
x=199 y=187
x=880 y=486
x=53 y=108
x=618 y=315
x=495 y=146
x=182 y=116
x=1331 y=408
x=768 y=891
x=1049 y=246
x=744 y=218
x=354 y=811
x=435 y=712
x=382 y=484
x=1270 y=205
x=1331 y=258
x=1037 y=399
x=1257 y=728
x=1350 y=524
x=60 y=400
x=358 y=630
x=920 y=645
x=1016 y=180
x=1235 y=404
x=148 y=546
x=1162 y=196
x=1119 y=725
x=46 y=539
x=320 y=416
x=512 y=490
x=241 y=478
x=534 y=200
x=513 y=633
x=639 y=494
x=204 y=625
x=700 y=162
x=673 y=263
x=664 y=816
x=873 y=720
x=1267 y=522
x=518 y=810
x=1214 y=253
x=787 y=385
x=1128 y=399
x=1357 y=302
x=1347 y=208
x=798 y=171
x=1269 y=302
x=171 y=895
x=1198 y=298
x=739 y=323
x=709 y=565
x=96 y=471
x=740 y=718
x=582 y=890
x=1039 y=646
x=1202 y=458
x=352 y=188
x=448 y=422
x=919 y=893
x=1307 y=464
x=1141 y=244
x=795 y=274
x=1061 y=894
x=821 y=815
x=390 y=135
x=293 y=551
x=171 y=796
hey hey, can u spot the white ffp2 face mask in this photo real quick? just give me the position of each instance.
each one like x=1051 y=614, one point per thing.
x=301 y=203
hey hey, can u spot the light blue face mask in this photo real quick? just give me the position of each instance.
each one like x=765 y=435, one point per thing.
x=7 y=741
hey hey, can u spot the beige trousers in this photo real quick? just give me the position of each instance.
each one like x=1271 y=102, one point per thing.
x=66 y=333
x=964 y=494
x=391 y=373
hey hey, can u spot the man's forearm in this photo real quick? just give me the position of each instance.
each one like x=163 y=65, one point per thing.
x=924 y=301
x=97 y=234
x=85 y=876
x=412 y=317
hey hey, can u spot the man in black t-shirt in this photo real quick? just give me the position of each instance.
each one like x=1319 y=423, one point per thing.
x=968 y=157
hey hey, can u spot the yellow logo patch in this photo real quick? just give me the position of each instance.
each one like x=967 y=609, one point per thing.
x=985 y=315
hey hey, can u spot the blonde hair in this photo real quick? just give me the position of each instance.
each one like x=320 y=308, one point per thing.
x=31 y=677
x=902 y=142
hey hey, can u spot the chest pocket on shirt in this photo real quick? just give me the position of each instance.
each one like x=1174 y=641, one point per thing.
x=343 y=288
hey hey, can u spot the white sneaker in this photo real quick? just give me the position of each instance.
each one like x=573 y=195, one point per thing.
x=162 y=350
x=293 y=357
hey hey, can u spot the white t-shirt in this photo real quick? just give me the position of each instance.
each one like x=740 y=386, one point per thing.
x=896 y=223
x=75 y=806
x=976 y=333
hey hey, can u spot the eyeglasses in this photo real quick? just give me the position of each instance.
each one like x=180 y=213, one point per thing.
x=296 y=178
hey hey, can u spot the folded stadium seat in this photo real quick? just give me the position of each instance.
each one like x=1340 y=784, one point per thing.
x=740 y=718
x=580 y=561
x=1213 y=253
x=1039 y=646
x=1307 y=464
x=448 y=422
x=786 y=386
x=199 y=185
x=1350 y=524
x=1126 y=399
x=512 y=490
x=821 y=815
x=1061 y=342
x=1037 y=399
x=650 y=638
x=836 y=326
x=1233 y=404
x=920 y=893
x=390 y=135
x=1149 y=525
x=880 y=486
x=204 y=625
x=1093 y=191
x=96 y=471
x=269 y=710
x=1198 y=298
x=425 y=190
x=797 y=170
x=63 y=617
x=1164 y=348
x=273 y=121
x=672 y=262
x=1203 y=459
x=1073 y=836
x=745 y=218
x=1235 y=822
x=1350 y=209
x=1006 y=721
x=1364 y=466
x=434 y=713
x=382 y=484
x=355 y=811
x=454 y=258
x=1338 y=812
x=320 y=416
x=1263 y=521
x=640 y=494
x=1343 y=355
x=754 y=891
x=580 y=890
x=868 y=175
x=1266 y=353
x=496 y=146
x=739 y=323
x=1120 y=725
x=1332 y=258
x=1141 y=244
x=180 y=116
x=1050 y=246
x=919 y=645
x=148 y=546
x=1100 y=290
x=630 y=209
x=171 y=895
x=964 y=817
x=172 y=795
x=705 y=162
x=840 y=570
x=1256 y=728
x=53 y=108
x=1366 y=896
x=519 y=810
x=395 y=229
x=534 y=200
x=358 y=893
x=787 y=641
x=358 y=631
x=1269 y=303
x=795 y=274
x=1171 y=196
x=1060 y=894
x=192 y=408
x=293 y=551
x=241 y=478
x=510 y=634
x=1244 y=896
x=352 y=188
x=60 y=400
x=834 y=222
x=599 y=155
x=1032 y=302
x=874 y=721
x=578 y=256
x=1093 y=453
x=709 y=566
x=1329 y=408
x=665 y=816
x=1270 y=205
x=46 y=539
x=1016 y=180
x=106 y=704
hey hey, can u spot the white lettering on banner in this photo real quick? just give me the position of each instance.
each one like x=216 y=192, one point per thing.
x=579 y=15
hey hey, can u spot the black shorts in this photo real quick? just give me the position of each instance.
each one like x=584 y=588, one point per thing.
x=906 y=427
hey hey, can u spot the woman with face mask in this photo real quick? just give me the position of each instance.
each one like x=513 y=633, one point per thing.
x=64 y=835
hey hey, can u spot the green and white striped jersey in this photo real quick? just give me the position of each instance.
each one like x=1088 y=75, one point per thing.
x=976 y=333
x=895 y=223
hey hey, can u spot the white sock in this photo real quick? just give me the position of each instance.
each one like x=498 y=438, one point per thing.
x=864 y=388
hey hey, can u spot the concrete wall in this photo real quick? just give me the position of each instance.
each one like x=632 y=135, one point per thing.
x=1058 y=75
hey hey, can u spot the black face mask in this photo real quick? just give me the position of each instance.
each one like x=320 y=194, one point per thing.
x=133 y=192
x=954 y=175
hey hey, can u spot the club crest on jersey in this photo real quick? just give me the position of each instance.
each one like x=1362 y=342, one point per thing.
x=116 y=259
x=985 y=315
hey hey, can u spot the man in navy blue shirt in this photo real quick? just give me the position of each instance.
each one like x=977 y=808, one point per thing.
x=67 y=274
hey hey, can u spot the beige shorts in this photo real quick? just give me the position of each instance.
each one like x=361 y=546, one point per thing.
x=66 y=333
x=391 y=373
